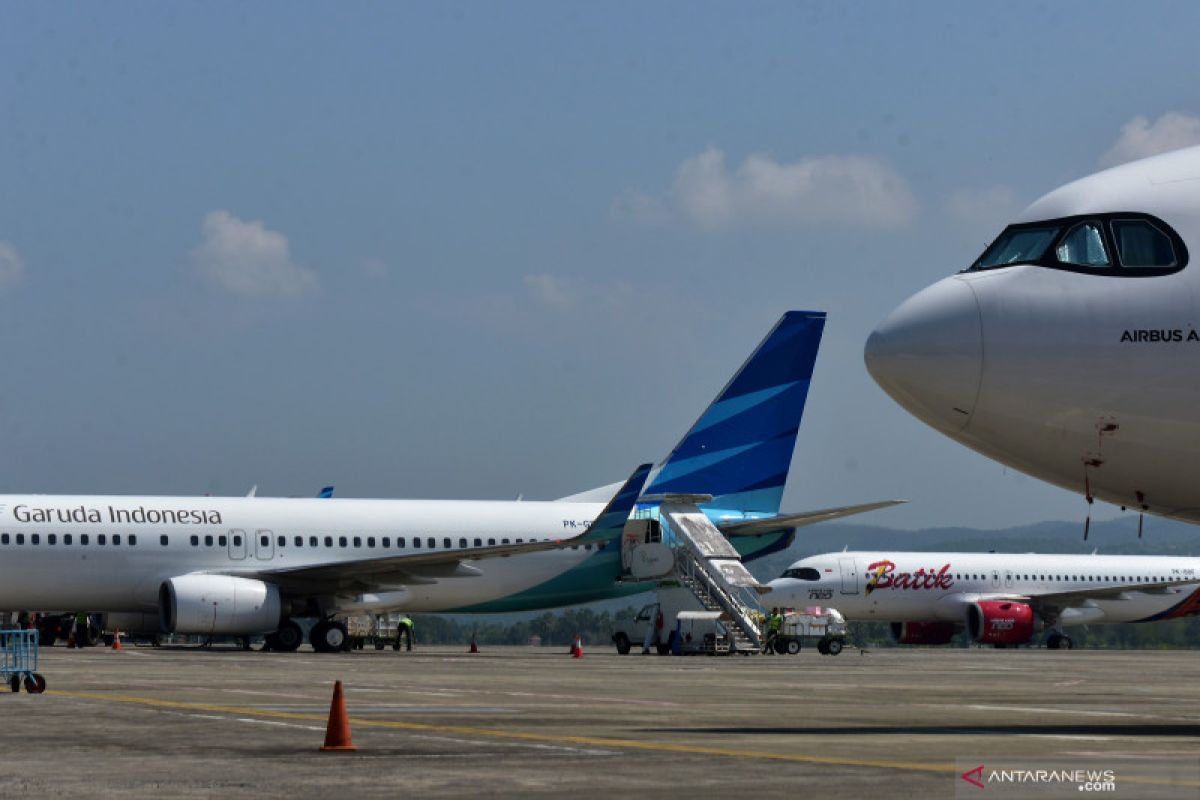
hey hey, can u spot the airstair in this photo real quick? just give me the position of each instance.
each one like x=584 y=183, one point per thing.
x=671 y=539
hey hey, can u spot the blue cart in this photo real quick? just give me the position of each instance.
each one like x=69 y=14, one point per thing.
x=19 y=660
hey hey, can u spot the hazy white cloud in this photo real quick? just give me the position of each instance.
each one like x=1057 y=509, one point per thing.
x=1141 y=138
x=12 y=266
x=561 y=292
x=992 y=207
x=247 y=258
x=854 y=191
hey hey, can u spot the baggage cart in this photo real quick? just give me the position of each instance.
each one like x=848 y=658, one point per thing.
x=19 y=660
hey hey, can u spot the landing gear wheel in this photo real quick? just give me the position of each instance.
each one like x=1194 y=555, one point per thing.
x=780 y=647
x=14 y=683
x=622 y=643
x=834 y=647
x=288 y=638
x=1066 y=643
x=1054 y=641
x=793 y=647
x=35 y=683
x=380 y=644
x=823 y=647
x=328 y=637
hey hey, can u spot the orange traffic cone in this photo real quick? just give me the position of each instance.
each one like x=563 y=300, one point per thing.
x=337 y=731
x=577 y=647
x=117 y=640
x=474 y=647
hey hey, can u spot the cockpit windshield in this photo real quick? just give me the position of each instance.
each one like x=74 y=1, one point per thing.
x=802 y=574
x=1018 y=246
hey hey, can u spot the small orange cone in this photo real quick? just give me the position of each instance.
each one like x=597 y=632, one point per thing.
x=337 y=731
x=474 y=647
x=117 y=640
x=577 y=647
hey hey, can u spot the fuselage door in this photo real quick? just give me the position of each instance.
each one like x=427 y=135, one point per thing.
x=1008 y=579
x=849 y=576
x=995 y=579
x=264 y=545
x=237 y=544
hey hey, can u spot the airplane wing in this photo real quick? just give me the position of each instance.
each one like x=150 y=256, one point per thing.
x=788 y=522
x=426 y=567
x=1056 y=601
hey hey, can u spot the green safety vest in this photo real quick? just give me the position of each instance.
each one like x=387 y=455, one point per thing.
x=405 y=622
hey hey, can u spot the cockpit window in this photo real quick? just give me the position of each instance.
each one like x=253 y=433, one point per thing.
x=1017 y=246
x=1142 y=245
x=802 y=574
x=1120 y=244
x=1084 y=246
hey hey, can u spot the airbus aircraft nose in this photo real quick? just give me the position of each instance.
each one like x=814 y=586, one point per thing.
x=928 y=354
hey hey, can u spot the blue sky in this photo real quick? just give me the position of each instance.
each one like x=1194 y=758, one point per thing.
x=471 y=250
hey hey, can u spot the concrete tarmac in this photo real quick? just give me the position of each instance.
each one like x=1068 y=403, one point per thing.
x=180 y=722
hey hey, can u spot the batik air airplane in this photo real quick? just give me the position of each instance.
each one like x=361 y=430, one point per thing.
x=1070 y=349
x=999 y=599
x=251 y=565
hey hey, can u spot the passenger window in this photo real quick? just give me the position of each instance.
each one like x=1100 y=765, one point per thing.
x=341 y=541
x=479 y=542
x=313 y=541
x=21 y=538
x=387 y=541
x=264 y=541
x=416 y=541
x=329 y=541
x=208 y=541
x=491 y=542
x=52 y=538
x=35 y=538
x=66 y=538
x=83 y=538
x=100 y=539
x=462 y=543
x=1083 y=246
x=3 y=538
x=299 y=541
x=282 y=540
x=370 y=541
x=237 y=540
x=504 y=541
x=446 y=543
x=431 y=542
x=133 y=539
x=400 y=543
x=358 y=541
x=1141 y=245
x=116 y=538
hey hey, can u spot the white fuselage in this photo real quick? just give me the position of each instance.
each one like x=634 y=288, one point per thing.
x=1084 y=377
x=133 y=544
x=928 y=587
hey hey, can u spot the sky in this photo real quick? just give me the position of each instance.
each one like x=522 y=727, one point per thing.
x=479 y=250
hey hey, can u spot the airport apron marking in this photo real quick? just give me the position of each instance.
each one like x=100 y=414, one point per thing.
x=590 y=741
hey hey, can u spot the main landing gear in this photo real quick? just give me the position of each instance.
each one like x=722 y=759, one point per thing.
x=329 y=636
x=1058 y=641
x=287 y=639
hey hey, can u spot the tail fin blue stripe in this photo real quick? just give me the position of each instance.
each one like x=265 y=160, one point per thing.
x=611 y=521
x=740 y=450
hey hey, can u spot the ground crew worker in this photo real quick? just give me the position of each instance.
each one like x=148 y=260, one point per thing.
x=774 y=625
x=404 y=628
x=81 y=629
x=23 y=620
x=653 y=632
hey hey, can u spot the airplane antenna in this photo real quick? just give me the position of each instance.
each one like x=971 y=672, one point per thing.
x=1087 y=492
x=1141 y=518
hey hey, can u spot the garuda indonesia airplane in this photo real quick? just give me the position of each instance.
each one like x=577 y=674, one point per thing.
x=252 y=565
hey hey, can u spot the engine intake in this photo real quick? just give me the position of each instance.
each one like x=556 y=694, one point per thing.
x=1000 y=622
x=923 y=632
x=218 y=604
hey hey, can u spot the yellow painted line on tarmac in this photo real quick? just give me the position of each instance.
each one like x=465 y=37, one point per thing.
x=545 y=738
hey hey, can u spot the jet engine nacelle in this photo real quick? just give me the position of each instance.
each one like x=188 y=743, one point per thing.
x=1000 y=622
x=220 y=604
x=923 y=632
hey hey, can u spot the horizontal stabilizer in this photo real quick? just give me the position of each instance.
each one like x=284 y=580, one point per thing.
x=788 y=522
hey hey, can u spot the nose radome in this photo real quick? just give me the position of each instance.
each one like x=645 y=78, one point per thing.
x=928 y=354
